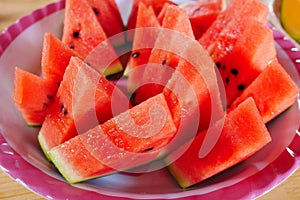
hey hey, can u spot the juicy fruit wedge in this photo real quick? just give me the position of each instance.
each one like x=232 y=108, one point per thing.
x=132 y=138
x=243 y=134
x=202 y=14
x=84 y=99
x=109 y=17
x=83 y=33
x=273 y=92
x=32 y=95
x=55 y=58
x=163 y=59
x=289 y=17
x=143 y=42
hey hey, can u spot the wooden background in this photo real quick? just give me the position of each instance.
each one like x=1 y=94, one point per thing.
x=10 y=11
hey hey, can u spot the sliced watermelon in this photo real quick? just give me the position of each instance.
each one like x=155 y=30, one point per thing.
x=254 y=49
x=202 y=14
x=273 y=92
x=55 y=58
x=130 y=139
x=224 y=43
x=143 y=42
x=157 y=6
x=32 y=95
x=163 y=61
x=243 y=134
x=109 y=17
x=85 y=98
x=83 y=33
x=193 y=94
x=232 y=12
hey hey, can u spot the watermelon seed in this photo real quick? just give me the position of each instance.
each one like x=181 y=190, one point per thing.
x=164 y=62
x=45 y=105
x=227 y=80
x=224 y=67
x=76 y=34
x=71 y=46
x=148 y=149
x=64 y=110
x=96 y=11
x=218 y=64
x=234 y=71
x=49 y=96
x=241 y=87
x=135 y=55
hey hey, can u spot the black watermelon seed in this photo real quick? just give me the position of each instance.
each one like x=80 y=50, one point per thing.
x=164 y=62
x=241 y=87
x=71 y=46
x=96 y=11
x=218 y=64
x=148 y=149
x=135 y=55
x=234 y=71
x=49 y=96
x=227 y=80
x=76 y=34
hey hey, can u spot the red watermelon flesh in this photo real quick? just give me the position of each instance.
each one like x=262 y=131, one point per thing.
x=132 y=135
x=143 y=43
x=242 y=134
x=55 y=58
x=163 y=61
x=273 y=92
x=85 y=98
x=109 y=17
x=32 y=95
x=157 y=6
x=202 y=14
x=227 y=38
x=232 y=12
x=251 y=54
x=83 y=33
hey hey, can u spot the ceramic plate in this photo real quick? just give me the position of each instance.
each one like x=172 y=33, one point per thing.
x=21 y=157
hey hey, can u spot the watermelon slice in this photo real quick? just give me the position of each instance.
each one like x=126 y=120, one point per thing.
x=97 y=100
x=202 y=14
x=32 y=95
x=143 y=43
x=109 y=17
x=273 y=92
x=163 y=59
x=83 y=33
x=252 y=10
x=254 y=49
x=55 y=58
x=157 y=6
x=130 y=139
x=243 y=134
x=235 y=10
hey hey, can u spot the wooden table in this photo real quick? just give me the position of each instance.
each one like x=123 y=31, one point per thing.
x=11 y=10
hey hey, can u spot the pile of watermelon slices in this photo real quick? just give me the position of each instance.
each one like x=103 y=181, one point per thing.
x=194 y=92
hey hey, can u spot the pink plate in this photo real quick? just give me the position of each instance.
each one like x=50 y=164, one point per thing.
x=21 y=157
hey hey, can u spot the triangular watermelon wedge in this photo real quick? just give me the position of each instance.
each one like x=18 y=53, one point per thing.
x=109 y=17
x=83 y=33
x=163 y=60
x=143 y=42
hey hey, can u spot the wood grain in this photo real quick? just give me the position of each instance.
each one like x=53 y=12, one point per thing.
x=10 y=11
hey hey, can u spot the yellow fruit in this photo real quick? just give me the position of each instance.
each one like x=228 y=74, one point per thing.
x=290 y=17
